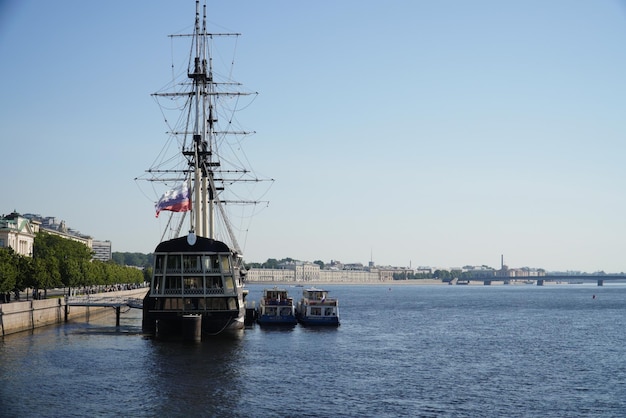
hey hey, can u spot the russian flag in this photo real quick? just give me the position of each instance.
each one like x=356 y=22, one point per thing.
x=175 y=200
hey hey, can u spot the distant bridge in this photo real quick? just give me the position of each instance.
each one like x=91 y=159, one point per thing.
x=540 y=280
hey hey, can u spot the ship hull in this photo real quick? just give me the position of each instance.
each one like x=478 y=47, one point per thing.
x=171 y=324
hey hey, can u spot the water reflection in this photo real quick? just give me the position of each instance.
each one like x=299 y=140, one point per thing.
x=202 y=377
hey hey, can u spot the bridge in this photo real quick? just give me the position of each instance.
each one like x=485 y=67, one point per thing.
x=103 y=300
x=540 y=280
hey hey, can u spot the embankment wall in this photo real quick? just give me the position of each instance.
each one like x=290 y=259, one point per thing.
x=28 y=315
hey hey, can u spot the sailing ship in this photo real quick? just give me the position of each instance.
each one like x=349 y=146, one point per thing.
x=197 y=286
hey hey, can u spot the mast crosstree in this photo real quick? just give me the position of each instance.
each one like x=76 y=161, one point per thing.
x=205 y=168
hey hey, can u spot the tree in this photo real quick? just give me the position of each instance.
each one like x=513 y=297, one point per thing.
x=25 y=276
x=57 y=261
x=8 y=270
x=271 y=263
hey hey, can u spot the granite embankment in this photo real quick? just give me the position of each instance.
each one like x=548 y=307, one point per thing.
x=28 y=315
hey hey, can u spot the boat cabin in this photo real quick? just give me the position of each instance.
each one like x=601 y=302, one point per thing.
x=197 y=278
x=276 y=297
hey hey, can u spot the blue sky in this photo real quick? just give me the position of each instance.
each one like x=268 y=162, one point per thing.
x=422 y=133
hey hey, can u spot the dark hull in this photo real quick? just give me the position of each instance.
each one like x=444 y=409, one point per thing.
x=274 y=320
x=328 y=321
x=167 y=324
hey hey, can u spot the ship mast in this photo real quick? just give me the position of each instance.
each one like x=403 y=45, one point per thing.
x=202 y=90
x=202 y=221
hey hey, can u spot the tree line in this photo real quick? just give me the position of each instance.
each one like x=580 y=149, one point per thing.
x=59 y=262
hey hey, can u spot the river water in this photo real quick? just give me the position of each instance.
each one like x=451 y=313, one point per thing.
x=407 y=350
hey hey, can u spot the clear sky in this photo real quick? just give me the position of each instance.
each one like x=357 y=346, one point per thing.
x=423 y=133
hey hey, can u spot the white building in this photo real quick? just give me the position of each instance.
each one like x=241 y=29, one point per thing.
x=18 y=233
x=101 y=250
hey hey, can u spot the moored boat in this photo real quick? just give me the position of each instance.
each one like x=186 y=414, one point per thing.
x=276 y=308
x=316 y=308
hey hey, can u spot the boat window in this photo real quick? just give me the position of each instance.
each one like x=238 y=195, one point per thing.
x=316 y=311
x=156 y=285
x=214 y=282
x=225 y=263
x=329 y=312
x=229 y=284
x=212 y=263
x=173 y=262
x=191 y=263
x=270 y=311
x=172 y=285
x=232 y=304
x=158 y=263
x=206 y=262
x=193 y=285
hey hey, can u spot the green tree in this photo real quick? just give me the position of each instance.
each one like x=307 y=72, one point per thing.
x=442 y=275
x=271 y=263
x=25 y=276
x=57 y=261
x=8 y=270
x=147 y=274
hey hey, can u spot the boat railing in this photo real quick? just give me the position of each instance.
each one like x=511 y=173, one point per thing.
x=326 y=302
x=282 y=302
x=208 y=291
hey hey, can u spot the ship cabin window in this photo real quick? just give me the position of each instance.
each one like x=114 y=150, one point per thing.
x=193 y=285
x=211 y=263
x=191 y=263
x=225 y=263
x=214 y=282
x=156 y=284
x=270 y=311
x=158 y=263
x=229 y=284
x=329 y=312
x=316 y=311
x=173 y=263
x=172 y=285
x=314 y=295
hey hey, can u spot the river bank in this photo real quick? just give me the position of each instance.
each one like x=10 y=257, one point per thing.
x=30 y=314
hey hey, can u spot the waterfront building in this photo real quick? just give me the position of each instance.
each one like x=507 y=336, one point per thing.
x=303 y=272
x=101 y=250
x=18 y=233
x=50 y=225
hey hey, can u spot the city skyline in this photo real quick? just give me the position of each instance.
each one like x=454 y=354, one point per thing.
x=371 y=262
x=441 y=133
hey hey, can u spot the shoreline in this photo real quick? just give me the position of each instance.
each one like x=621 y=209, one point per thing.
x=413 y=282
